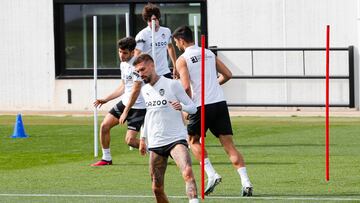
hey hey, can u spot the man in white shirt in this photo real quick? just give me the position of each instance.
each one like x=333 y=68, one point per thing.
x=217 y=117
x=164 y=129
x=131 y=107
x=163 y=44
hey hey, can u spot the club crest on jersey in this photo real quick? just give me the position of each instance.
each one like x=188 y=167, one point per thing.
x=162 y=92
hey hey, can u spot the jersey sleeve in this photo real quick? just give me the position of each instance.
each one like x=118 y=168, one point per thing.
x=140 y=41
x=136 y=77
x=169 y=36
x=143 y=132
x=143 y=129
x=122 y=73
x=185 y=101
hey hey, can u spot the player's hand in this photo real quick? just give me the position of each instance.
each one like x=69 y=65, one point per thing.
x=122 y=118
x=175 y=74
x=176 y=105
x=142 y=147
x=99 y=102
x=185 y=115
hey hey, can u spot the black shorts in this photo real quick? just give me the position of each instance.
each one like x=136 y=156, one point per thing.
x=217 y=119
x=168 y=75
x=134 y=119
x=165 y=150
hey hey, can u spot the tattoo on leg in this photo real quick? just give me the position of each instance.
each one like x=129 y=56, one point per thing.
x=191 y=190
x=182 y=158
x=158 y=166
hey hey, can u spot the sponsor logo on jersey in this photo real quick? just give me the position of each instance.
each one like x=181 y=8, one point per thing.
x=156 y=103
x=160 y=44
x=162 y=92
x=163 y=35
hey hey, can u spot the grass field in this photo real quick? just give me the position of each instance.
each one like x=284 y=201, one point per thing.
x=284 y=156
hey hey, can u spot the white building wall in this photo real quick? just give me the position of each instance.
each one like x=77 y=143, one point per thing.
x=26 y=55
x=27 y=67
x=82 y=94
x=283 y=23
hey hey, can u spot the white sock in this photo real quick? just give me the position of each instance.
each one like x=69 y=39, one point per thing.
x=106 y=154
x=194 y=201
x=245 y=181
x=209 y=169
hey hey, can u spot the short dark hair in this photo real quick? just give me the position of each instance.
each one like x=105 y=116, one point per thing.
x=128 y=43
x=143 y=58
x=150 y=10
x=183 y=32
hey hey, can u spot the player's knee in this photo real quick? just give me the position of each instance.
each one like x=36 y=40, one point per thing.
x=158 y=191
x=130 y=140
x=105 y=127
x=188 y=173
x=193 y=140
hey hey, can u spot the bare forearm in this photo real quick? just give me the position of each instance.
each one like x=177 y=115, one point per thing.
x=172 y=54
x=132 y=100
x=117 y=93
x=133 y=96
x=222 y=79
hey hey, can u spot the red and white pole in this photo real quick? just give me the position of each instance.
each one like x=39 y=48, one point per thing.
x=327 y=124
x=202 y=115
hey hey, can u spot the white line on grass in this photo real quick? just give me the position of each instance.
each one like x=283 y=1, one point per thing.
x=339 y=198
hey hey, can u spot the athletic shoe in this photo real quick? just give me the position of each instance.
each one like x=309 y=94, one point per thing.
x=212 y=183
x=247 y=191
x=102 y=163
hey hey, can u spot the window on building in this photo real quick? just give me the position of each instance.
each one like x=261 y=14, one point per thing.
x=74 y=31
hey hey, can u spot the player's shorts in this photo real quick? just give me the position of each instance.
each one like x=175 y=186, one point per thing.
x=217 y=119
x=168 y=75
x=165 y=150
x=134 y=119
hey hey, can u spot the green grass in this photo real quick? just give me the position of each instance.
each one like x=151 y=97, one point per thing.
x=284 y=156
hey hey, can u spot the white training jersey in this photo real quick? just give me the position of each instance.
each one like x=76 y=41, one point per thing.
x=162 y=39
x=163 y=124
x=129 y=76
x=213 y=91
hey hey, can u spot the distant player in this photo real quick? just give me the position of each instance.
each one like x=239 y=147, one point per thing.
x=217 y=117
x=163 y=44
x=163 y=129
x=129 y=89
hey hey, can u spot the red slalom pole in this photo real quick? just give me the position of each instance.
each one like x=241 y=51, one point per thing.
x=327 y=133
x=202 y=115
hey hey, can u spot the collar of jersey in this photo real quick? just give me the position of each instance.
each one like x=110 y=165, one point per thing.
x=157 y=82
x=191 y=47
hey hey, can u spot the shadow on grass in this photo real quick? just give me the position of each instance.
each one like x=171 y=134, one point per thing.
x=132 y=164
x=271 y=145
x=334 y=195
x=255 y=163
x=342 y=195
